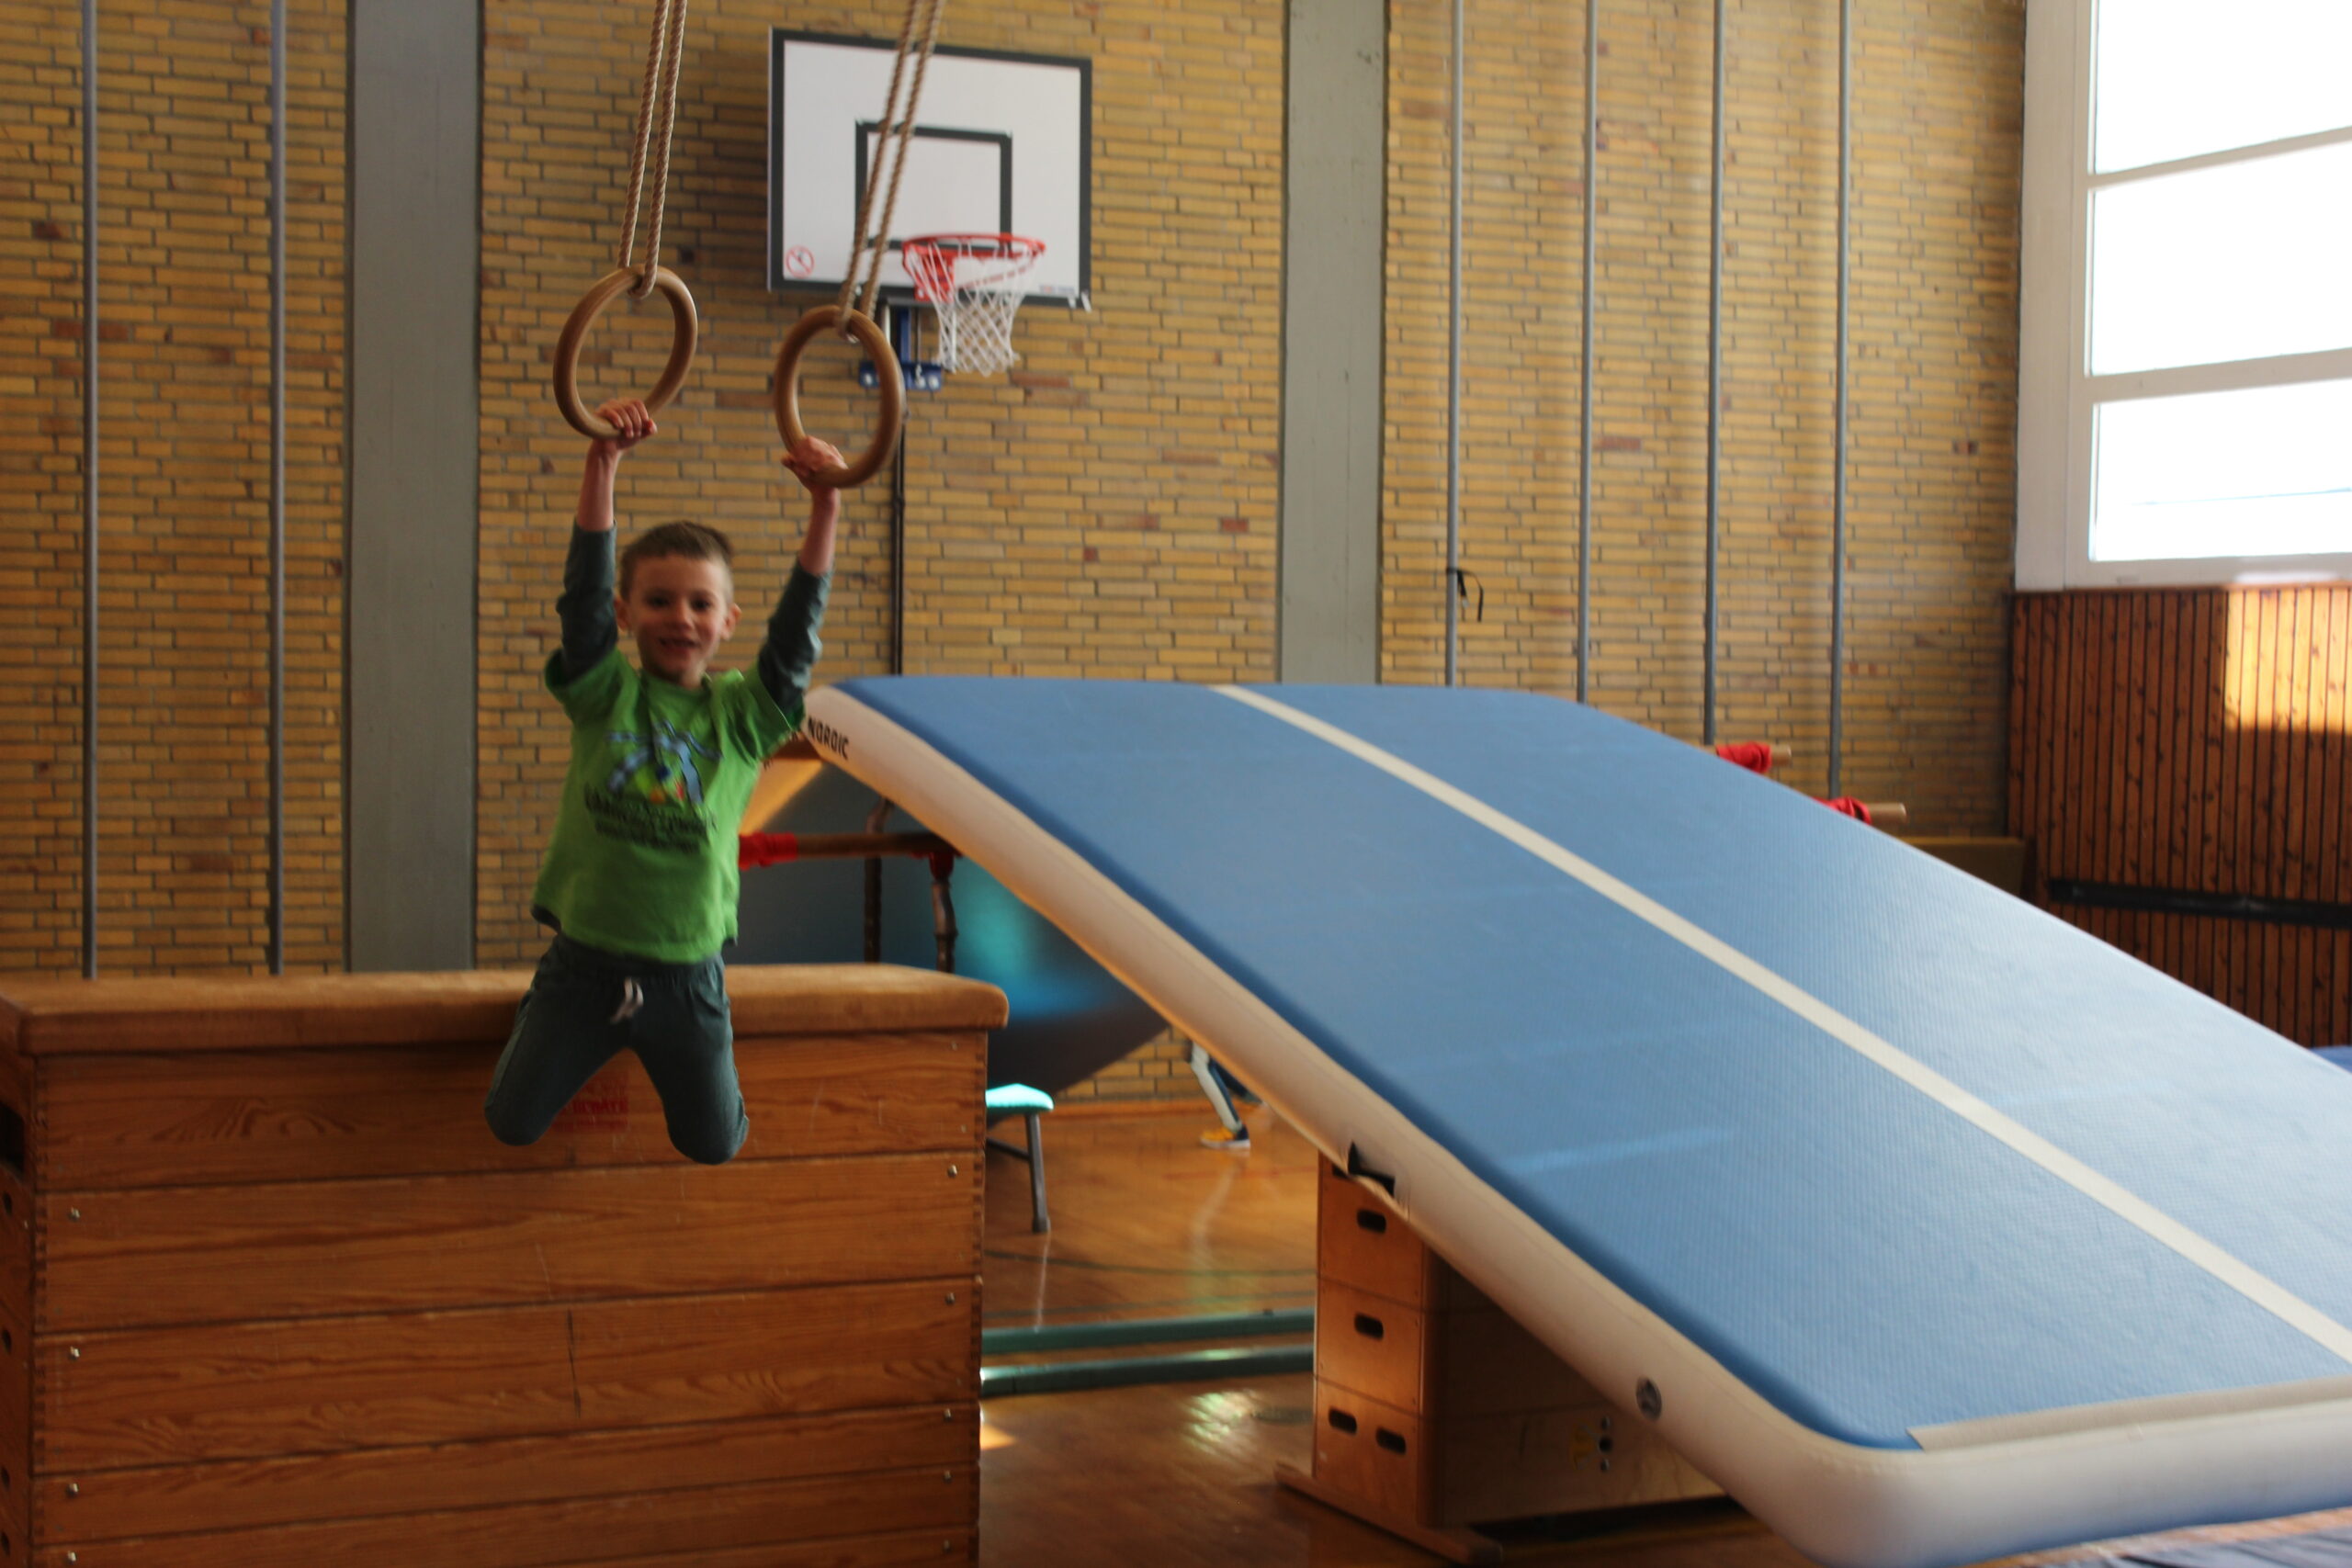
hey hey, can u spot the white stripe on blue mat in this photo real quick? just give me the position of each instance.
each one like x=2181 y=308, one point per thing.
x=2239 y=1276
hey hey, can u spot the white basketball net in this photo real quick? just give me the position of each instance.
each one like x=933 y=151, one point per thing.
x=973 y=283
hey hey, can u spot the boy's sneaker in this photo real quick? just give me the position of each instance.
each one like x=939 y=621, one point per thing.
x=1218 y=1138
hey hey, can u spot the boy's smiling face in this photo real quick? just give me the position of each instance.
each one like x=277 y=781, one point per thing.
x=679 y=609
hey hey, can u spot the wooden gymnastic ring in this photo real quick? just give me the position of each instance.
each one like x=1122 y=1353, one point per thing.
x=885 y=369
x=575 y=330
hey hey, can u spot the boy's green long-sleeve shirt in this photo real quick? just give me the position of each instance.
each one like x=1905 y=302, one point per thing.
x=642 y=859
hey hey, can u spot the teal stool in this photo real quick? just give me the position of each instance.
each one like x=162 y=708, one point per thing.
x=1029 y=1104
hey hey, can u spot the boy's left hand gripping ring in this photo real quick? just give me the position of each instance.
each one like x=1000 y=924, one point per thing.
x=575 y=330
x=866 y=464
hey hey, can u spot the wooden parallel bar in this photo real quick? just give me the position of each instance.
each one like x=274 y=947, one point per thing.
x=599 y=1529
x=236 y=1116
x=253 y=1390
x=190 y=1254
x=110 y=1505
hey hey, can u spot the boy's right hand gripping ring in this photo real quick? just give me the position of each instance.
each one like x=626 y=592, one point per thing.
x=575 y=330
x=885 y=369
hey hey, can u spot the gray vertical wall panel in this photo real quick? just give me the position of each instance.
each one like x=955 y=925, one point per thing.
x=414 y=458
x=1335 y=221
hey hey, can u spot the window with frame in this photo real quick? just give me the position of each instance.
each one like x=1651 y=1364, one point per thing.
x=2185 y=399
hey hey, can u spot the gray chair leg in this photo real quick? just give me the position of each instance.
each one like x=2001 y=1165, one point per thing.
x=1037 y=1221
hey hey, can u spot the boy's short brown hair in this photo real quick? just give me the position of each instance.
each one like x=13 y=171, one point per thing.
x=692 y=540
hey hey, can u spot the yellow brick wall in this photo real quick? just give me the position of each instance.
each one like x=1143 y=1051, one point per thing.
x=183 y=681
x=1933 y=380
x=1108 y=509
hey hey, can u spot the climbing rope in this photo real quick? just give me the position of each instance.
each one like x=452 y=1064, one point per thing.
x=639 y=275
x=855 y=320
x=663 y=54
x=899 y=128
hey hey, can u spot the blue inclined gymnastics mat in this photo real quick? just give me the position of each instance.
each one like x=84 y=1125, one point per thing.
x=1928 y=1227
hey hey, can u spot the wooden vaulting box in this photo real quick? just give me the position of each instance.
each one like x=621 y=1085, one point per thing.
x=1436 y=1412
x=272 y=1296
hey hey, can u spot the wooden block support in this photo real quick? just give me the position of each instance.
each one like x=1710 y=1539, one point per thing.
x=270 y=1294
x=1435 y=1412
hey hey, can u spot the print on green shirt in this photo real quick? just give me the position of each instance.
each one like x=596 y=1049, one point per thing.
x=642 y=860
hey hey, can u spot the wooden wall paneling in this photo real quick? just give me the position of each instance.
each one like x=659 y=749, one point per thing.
x=2098 y=729
x=2135 y=738
x=2315 y=832
x=17 y=1089
x=2073 y=784
x=2264 y=1000
x=2235 y=820
x=2054 y=753
x=2269 y=675
x=140 y=1120
x=599 y=1530
x=252 y=1391
x=2042 y=745
x=2114 y=726
x=2294 y=821
x=2332 y=978
x=2195 y=740
x=2339 y=965
x=16 y=1212
x=111 y=1505
x=2094 y=697
x=2179 y=752
x=2275 y=850
x=2203 y=658
x=17 y=1296
x=2336 y=721
x=17 y=1503
x=2044 y=731
x=2090 y=737
x=2299 y=723
x=159 y=1255
x=2286 y=775
x=2025 y=750
x=2024 y=673
x=2163 y=707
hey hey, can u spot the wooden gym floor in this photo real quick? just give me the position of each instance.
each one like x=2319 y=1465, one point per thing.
x=1149 y=1224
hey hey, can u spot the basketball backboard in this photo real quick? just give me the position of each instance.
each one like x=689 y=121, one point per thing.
x=1000 y=146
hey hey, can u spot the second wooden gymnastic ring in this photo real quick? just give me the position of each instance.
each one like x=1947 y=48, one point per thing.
x=575 y=332
x=885 y=369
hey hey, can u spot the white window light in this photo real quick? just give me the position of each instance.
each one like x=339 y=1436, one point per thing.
x=2185 y=405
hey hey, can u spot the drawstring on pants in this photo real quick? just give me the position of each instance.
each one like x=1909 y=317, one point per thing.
x=632 y=999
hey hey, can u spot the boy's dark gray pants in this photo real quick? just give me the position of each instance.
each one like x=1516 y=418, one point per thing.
x=586 y=1005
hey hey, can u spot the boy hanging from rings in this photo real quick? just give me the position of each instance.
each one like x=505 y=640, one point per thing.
x=640 y=877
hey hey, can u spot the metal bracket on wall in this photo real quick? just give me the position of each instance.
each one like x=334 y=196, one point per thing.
x=921 y=374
